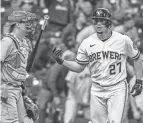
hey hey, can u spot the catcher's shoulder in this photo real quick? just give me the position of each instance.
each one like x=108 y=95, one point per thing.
x=6 y=40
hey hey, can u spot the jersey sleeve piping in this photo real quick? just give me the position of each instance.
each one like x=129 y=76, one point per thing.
x=81 y=62
x=136 y=56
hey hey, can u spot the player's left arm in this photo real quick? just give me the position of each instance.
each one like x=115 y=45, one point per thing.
x=133 y=52
x=138 y=68
x=137 y=88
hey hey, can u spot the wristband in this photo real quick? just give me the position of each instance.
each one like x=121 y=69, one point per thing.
x=60 y=61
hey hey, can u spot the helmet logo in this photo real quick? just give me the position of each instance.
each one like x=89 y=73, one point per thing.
x=99 y=12
x=102 y=14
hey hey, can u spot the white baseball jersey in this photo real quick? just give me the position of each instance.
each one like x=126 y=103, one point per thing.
x=107 y=59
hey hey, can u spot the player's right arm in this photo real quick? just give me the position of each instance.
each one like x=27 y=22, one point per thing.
x=76 y=66
x=6 y=44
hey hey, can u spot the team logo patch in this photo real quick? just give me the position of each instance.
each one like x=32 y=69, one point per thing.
x=135 y=45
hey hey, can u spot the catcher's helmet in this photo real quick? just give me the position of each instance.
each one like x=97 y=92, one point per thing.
x=22 y=16
x=102 y=13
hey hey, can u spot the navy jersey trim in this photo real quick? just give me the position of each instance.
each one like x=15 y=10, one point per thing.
x=14 y=40
x=82 y=62
x=136 y=56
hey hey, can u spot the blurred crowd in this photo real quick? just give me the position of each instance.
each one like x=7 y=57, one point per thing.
x=70 y=22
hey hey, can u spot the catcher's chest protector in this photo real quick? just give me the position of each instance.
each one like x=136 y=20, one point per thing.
x=14 y=66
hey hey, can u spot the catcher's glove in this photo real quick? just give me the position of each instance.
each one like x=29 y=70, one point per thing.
x=137 y=88
x=31 y=108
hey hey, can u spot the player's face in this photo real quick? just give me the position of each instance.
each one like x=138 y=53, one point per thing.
x=27 y=26
x=100 y=25
x=31 y=25
x=22 y=28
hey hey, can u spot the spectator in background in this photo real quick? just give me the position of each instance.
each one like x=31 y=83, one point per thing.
x=42 y=58
x=56 y=79
x=60 y=12
x=54 y=85
x=129 y=28
x=27 y=5
x=84 y=33
x=79 y=85
x=86 y=7
x=71 y=30
x=31 y=6
x=46 y=44
x=119 y=7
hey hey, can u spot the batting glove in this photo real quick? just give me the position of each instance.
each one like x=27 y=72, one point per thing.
x=56 y=54
x=137 y=88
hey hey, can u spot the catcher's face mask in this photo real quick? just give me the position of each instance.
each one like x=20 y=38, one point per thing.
x=29 y=19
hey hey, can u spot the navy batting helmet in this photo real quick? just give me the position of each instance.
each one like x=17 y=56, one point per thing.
x=102 y=13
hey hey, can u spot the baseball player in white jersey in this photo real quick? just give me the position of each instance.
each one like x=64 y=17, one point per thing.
x=105 y=53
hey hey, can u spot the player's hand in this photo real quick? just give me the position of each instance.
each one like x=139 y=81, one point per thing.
x=137 y=88
x=56 y=54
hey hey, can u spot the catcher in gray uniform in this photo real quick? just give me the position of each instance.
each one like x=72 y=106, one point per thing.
x=15 y=48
